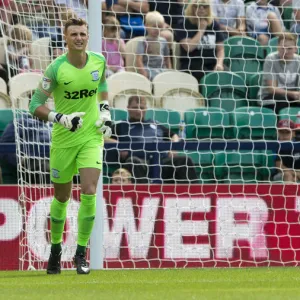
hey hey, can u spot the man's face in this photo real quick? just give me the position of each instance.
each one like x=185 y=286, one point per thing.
x=286 y=50
x=137 y=110
x=285 y=135
x=77 y=37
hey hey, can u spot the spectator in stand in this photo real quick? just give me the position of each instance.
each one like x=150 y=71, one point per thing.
x=231 y=16
x=78 y=6
x=281 y=79
x=174 y=168
x=171 y=10
x=7 y=8
x=31 y=131
x=201 y=40
x=19 y=49
x=263 y=21
x=58 y=16
x=287 y=162
x=130 y=15
x=113 y=47
x=152 y=54
x=33 y=14
x=121 y=176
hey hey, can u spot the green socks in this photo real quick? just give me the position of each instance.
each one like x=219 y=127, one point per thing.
x=86 y=220
x=58 y=215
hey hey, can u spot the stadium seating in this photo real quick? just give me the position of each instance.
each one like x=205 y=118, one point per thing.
x=171 y=88
x=21 y=87
x=40 y=55
x=287 y=17
x=203 y=165
x=118 y=114
x=289 y=113
x=243 y=166
x=121 y=85
x=6 y=116
x=166 y=117
x=4 y=98
x=255 y=83
x=2 y=51
x=176 y=55
x=244 y=56
x=130 y=49
x=207 y=123
x=225 y=90
x=3 y=87
x=254 y=123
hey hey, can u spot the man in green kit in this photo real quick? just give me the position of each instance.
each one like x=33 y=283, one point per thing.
x=77 y=81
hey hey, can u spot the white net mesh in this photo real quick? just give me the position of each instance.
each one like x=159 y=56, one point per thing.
x=175 y=85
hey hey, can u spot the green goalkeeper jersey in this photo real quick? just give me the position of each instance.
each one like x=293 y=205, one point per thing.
x=74 y=90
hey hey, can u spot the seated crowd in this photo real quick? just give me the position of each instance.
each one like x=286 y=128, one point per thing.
x=199 y=28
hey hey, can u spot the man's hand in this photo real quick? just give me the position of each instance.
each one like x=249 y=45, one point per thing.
x=104 y=121
x=73 y=122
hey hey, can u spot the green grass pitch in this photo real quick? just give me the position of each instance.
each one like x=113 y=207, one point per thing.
x=252 y=283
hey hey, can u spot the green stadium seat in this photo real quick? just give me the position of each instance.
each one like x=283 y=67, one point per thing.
x=207 y=123
x=9 y=175
x=289 y=113
x=255 y=83
x=287 y=17
x=118 y=114
x=254 y=123
x=244 y=56
x=224 y=90
x=166 y=117
x=272 y=45
x=108 y=170
x=6 y=116
x=203 y=162
x=245 y=166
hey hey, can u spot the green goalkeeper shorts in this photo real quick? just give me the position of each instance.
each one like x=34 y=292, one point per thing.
x=65 y=162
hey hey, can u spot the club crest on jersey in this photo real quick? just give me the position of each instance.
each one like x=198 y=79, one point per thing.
x=95 y=75
x=55 y=173
x=46 y=83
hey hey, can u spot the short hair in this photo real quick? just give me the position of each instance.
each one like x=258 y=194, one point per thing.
x=288 y=36
x=190 y=11
x=74 y=22
x=121 y=172
x=154 y=17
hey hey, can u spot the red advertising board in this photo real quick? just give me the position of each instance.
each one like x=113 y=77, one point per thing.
x=164 y=226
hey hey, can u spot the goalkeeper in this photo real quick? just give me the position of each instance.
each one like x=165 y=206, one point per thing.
x=77 y=81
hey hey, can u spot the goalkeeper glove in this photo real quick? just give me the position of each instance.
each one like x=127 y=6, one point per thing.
x=72 y=122
x=104 y=121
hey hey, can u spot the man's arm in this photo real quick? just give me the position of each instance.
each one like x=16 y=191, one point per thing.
x=46 y=86
x=38 y=108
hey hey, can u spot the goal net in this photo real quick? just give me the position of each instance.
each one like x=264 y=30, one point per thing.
x=192 y=174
